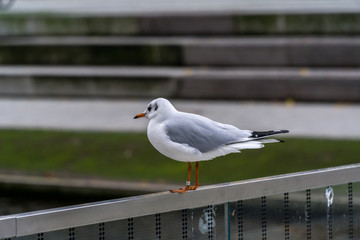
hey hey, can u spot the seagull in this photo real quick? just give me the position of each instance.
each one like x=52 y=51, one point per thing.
x=189 y=137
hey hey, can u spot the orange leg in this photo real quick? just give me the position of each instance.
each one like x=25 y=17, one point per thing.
x=189 y=174
x=197 y=175
x=188 y=187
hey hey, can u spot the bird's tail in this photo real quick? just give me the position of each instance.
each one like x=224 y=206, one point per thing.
x=257 y=140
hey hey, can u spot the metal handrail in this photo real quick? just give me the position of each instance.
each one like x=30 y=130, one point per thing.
x=86 y=214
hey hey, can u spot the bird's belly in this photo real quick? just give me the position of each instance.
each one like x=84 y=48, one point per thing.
x=180 y=152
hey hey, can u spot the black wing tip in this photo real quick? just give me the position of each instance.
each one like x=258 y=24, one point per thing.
x=279 y=131
x=259 y=134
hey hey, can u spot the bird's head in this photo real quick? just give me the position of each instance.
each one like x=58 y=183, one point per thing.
x=158 y=108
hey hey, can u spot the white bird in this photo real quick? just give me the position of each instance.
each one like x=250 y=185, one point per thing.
x=190 y=137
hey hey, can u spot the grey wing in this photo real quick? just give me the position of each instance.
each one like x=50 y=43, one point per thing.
x=203 y=133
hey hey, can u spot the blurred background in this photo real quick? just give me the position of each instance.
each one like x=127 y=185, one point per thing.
x=73 y=74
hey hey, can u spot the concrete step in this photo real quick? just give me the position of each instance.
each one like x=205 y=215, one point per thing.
x=300 y=84
x=182 y=51
x=24 y=22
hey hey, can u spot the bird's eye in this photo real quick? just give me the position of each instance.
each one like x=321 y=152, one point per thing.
x=149 y=109
x=156 y=106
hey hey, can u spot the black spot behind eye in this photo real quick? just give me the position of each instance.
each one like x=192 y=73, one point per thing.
x=156 y=107
x=149 y=109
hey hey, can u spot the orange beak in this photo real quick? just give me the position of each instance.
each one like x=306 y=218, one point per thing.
x=140 y=115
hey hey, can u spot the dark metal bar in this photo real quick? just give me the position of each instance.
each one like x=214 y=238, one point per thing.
x=240 y=219
x=286 y=216
x=350 y=211
x=263 y=218
x=158 y=226
x=210 y=222
x=308 y=214
x=185 y=224
x=101 y=231
x=130 y=229
x=71 y=234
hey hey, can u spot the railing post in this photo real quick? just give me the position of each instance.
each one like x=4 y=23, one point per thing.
x=227 y=220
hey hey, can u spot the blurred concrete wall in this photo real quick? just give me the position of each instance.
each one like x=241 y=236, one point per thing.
x=303 y=56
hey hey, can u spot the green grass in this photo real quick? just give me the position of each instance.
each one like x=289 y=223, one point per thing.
x=126 y=156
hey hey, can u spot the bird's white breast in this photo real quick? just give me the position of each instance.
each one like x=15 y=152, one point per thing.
x=159 y=139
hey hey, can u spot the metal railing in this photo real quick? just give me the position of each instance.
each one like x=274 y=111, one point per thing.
x=292 y=205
